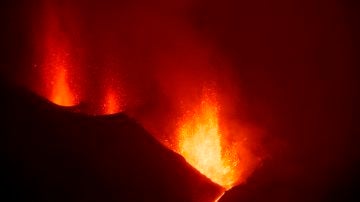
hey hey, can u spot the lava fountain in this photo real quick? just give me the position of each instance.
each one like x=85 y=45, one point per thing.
x=112 y=103
x=201 y=142
x=61 y=93
x=57 y=60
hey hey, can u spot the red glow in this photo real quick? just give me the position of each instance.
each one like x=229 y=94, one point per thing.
x=112 y=102
x=57 y=61
x=202 y=142
x=61 y=92
x=201 y=133
x=284 y=74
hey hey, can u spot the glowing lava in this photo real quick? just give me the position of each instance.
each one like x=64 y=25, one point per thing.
x=219 y=197
x=200 y=142
x=112 y=103
x=61 y=92
x=57 y=62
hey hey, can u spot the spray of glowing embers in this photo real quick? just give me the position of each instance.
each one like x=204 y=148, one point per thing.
x=112 y=103
x=60 y=90
x=202 y=142
x=62 y=72
x=202 y=134
x=57 y=61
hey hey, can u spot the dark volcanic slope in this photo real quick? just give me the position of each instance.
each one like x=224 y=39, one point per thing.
x=52 y=154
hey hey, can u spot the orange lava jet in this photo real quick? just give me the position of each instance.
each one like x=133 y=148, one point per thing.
x=57 y=60
x=200 y=142
x=61 y=92
x=112 y=103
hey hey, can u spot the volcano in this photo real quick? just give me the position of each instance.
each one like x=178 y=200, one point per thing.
x=52 y=153
x=186 y=100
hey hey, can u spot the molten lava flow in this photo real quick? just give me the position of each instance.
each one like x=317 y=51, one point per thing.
x=219 y=197
x=200 y=142
x=112 y=103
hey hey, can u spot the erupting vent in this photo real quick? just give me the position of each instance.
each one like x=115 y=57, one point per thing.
x=200 y=142
x=111 y=103
x=57 y=62
x=61 y=93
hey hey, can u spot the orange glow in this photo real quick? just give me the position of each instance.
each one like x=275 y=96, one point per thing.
x=57 y=61
x=61 y=92
x=112 y=103
x=56 y=75
x=200 y=142
x=219 y=197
